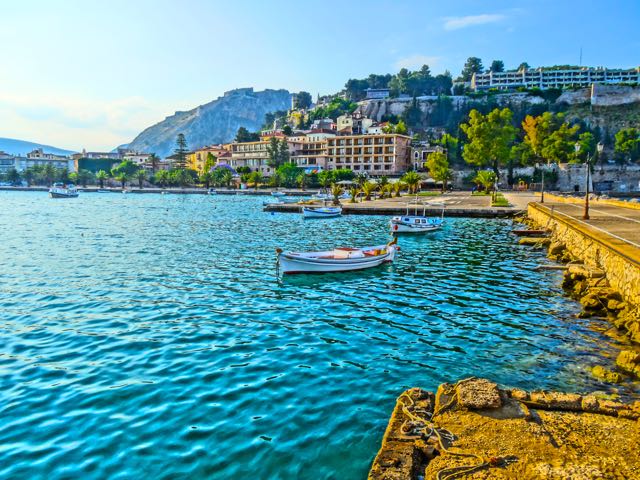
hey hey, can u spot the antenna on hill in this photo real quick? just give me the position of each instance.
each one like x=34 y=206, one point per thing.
x=580 y=56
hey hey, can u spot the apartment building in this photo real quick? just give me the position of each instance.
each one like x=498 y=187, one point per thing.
x=545 y=78
x=383 y=154
x=311 y=154
x=32 y=159
x=197 y=159
x=420 y=153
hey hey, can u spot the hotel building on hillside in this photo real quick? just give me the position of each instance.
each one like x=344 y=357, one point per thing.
x=376 y=155
x=545 y=78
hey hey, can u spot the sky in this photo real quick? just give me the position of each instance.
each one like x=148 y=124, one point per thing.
x=93 y=74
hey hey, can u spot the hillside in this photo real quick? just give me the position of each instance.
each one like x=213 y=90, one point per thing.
x=21 y=147
x=215 y=122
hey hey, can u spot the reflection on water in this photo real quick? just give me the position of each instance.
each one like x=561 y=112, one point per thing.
x=147 y=335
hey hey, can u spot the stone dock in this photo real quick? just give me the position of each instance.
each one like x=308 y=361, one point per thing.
x=456 y=204
x=476 y=430
x=602 y=258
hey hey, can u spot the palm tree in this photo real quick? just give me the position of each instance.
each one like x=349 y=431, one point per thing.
x=412 y=179
x=226 y=178
x=486 y=179
x=385 y=190
x=398 y=187
x=382 y=181
x=122 y=178
x=336 y=191
x=368 y=188
x=205 y=179
x=302 y=180
x=354 y=191
x=101 y=176
x=325 y=177
x=256 y=178
x=361 y=178
x=153 y=160
x=141 y=176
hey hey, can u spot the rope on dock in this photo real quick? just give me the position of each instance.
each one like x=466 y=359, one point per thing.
x=425 y=427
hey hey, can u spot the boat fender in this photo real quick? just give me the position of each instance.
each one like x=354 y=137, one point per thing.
x=278 y=251
x=395 y=228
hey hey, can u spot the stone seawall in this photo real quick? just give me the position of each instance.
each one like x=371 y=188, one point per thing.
x=620 y=263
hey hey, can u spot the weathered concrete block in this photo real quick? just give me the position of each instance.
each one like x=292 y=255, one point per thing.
x=479 y=394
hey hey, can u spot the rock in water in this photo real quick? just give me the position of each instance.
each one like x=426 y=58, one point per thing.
x=214 y=122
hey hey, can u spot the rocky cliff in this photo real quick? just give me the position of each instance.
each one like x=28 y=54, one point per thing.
x=214 y=122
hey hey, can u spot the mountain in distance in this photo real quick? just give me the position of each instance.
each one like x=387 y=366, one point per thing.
x=21 y=147
x=214 y=122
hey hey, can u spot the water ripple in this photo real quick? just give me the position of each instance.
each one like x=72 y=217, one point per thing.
x=146 y=335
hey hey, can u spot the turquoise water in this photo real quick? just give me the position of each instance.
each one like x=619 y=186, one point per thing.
x=146 y=336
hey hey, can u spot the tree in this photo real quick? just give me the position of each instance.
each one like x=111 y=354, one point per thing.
x=122 y=178
x=398 y=187
x=587 y=150
x=303 y=100
x=497 y=66
x=486 y=179
x=83 y=177
x=559 y=147
x=289 y=173
x=243 y=135
x=412 y=180
x=302 y=181
x=210 y=162
x=127 y=167
x=412 y=115
x=361 y=178
x=325 y=177
x=627 y=143
x=538 y=129
x=161 y=178
x=13 y=176
x=438 y=166
x=490 y=137
x=523 y=66
x=401 y=128
x=226 y=177
x=153 y=161
x=101 y=176
x=471 y=66
x=353 y=193
x=368 y=188
x=205 y=179
x=180 y=152
x=278 y=152
x=141 y=176
x=287 y=130
x=451 y=145
x=336 y=192
x=255 y=178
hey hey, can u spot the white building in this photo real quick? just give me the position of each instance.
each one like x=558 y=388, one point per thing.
x=34 y=158
x=545 y=78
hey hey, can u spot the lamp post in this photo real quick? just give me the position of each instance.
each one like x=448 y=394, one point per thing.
x=599 y=147
x=541 y=167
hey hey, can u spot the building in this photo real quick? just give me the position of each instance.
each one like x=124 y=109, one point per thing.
x=34 y=158
x=376 y=155
x=197 y=159
x=419 y=154
x=553 y=77
x=377 y=93
x=140 y=159
x=353 y=124
x=312 y=154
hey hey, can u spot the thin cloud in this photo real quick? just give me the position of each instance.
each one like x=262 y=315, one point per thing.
x=416 y=61
x=456 y=23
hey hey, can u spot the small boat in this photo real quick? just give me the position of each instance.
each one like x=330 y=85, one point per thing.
x=212 y=191
x=321 y=212
x=341 y=259
x=328 y=196
x=278 y=194
x=60 y=190
x=417 y=223
x=125 y=191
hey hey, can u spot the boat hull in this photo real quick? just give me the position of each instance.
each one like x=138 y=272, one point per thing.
x=414 y=224
x=291 y=263
x=321 y=212
x=402 y=228
x=63 y=195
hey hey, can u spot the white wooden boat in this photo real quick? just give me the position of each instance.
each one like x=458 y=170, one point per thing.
x=336 y=260
x=328 y=196
x=417 y=223
x=60 y=190
x=321 y=212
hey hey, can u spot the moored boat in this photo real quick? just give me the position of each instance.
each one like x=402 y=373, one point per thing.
x=212 y=191
x=278 y=194
x=321 y=212
x=60 y=190
x=341 y=259
x=417 y=223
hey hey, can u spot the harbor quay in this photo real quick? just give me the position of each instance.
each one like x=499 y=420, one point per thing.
x=477 y=429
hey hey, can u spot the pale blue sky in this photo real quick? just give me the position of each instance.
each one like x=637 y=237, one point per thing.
x=94 y=73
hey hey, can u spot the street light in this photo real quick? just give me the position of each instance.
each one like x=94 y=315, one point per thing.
x=600 y=148
x=541 y=167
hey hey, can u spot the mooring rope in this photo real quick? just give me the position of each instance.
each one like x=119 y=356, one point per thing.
x=426 y=428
